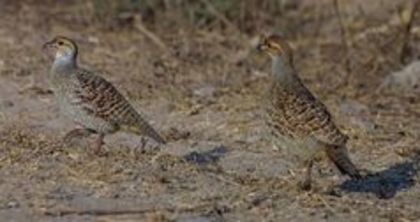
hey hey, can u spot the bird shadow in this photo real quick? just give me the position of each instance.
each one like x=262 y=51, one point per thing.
x=207 y=157
x=387 y=183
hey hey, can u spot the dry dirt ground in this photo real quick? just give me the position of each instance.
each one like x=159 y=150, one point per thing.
x=202 y=89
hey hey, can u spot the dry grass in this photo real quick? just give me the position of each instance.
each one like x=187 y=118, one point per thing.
x=190 y=67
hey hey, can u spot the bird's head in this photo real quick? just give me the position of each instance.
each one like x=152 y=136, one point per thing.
x=276 y=47
x=63 y=48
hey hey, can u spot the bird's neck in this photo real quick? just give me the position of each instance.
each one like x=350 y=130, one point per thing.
x=63 y=63
x=284 y=71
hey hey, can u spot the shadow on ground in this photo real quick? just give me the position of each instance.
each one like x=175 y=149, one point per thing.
x=207 y=157
x=387 y=183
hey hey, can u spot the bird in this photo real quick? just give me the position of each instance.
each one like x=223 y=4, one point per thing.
x=93 y=103
x=298 y=122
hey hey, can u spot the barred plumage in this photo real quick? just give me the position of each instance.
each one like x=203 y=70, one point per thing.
x=299 y=122
x=298 y=114
x=89 y=99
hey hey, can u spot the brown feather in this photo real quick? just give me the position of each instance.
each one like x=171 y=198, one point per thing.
x=297 y=118
x=102 y=99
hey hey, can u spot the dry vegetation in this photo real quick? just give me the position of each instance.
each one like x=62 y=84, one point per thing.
x=190 y=67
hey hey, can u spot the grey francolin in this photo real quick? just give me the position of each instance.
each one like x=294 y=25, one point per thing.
x=298 y=121
x=89 y=100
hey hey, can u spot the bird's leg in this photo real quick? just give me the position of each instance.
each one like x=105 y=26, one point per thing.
x=143 y=142
x=78 y=132
x=305 y=183
x=99 y=141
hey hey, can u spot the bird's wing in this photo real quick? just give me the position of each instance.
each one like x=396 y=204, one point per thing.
x=303 y=116
x=100 y=98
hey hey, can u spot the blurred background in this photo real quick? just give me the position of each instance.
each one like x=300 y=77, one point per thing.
x=190 y=66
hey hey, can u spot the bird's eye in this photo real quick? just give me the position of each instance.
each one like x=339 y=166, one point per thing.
x=60 y=43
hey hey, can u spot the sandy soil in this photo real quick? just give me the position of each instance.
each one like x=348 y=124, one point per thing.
x=202 y=90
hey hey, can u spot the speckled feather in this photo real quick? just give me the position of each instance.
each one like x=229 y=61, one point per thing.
x=298 y=121
x=296 y=113
x=101 y=99
x=89 y=99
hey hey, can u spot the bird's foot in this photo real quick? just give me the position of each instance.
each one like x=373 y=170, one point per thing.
x=305 y=185
x=97 y=144
x=365 y=173
x=333 y=190
x=76 y=133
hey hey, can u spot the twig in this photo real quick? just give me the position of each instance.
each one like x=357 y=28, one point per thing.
x=95 y=212
x=104 y=212
x=220 y=16
x=404 y=51
x=345 y=41
x=343 y=30
x=149 y=34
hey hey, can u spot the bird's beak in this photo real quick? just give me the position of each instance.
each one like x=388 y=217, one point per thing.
x=47 y=45
x=261 y=47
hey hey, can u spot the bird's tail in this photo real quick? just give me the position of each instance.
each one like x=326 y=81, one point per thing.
x=339 y=156
x=140 y=126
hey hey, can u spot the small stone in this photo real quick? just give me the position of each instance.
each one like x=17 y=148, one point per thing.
x=205 y=91
x=6 y=104
x=352 y=107
x=357 y=112
x=12 y=204
x=406 y=79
